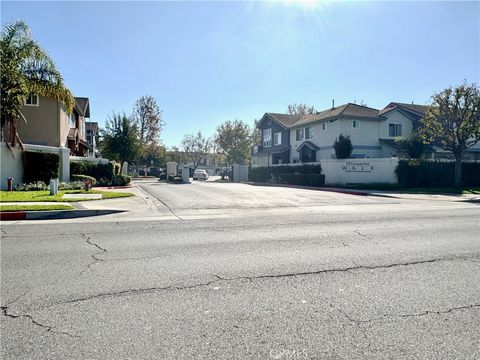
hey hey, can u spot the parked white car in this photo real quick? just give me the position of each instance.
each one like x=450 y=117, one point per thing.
x=200 y=174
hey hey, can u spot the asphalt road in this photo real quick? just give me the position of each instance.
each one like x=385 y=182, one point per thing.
x=232 y=271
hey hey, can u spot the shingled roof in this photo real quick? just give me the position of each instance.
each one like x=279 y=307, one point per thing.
x=284 y=119
x=415 y=109
x=346 y=110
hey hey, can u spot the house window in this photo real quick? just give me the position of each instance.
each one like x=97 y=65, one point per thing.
x=31 y=100
x=73 y=120
x=267 y=137
x=308 y=132
x=394 y=130
x=277 y=139
x=324 y=126
x=355 y=124
x=299 y=134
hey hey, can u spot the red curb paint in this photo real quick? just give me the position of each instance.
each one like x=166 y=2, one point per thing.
x=12 y=215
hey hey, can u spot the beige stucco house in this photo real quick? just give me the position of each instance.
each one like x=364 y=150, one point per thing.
x=47 y=123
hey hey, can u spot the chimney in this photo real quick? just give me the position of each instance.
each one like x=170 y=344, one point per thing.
x=333 y=103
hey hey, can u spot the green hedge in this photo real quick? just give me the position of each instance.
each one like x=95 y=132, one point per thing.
x=95 y=170
x=77 y=177
x=40 y=167
x=414 y=174
x=264 y=174
x=302 y=179
x=121 y=180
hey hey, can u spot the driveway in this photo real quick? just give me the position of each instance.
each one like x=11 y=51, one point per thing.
x=214 y=195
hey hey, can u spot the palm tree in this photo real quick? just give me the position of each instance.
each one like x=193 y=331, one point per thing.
x=25 y=69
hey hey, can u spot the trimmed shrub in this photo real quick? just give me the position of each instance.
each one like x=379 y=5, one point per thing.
x=40 y=167
x=343 y=147
x=121 y=180
x=38 y=185
x=82 y=178
x=264 y=174
x=76 y=185
x=175 y=178
x=414 y=173
x=93 y=169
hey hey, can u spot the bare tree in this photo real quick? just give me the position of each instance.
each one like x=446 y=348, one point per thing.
x=147 y=118
x=196 y=147
x=300 y=109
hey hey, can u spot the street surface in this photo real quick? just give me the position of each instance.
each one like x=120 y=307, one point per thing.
x=234 y=271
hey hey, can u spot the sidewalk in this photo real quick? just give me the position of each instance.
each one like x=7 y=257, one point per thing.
x=80 y=209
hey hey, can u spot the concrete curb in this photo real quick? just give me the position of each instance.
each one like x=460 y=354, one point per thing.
x=54 y=214
x=337 y=190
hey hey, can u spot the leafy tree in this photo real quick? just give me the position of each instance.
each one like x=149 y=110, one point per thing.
x=343 y=147
x=175 y=154
x=452 y=122
x=300 y=109
x=196 y=147
x=415 y=146
x=154 y=154
x=234 y=140
x=26 y=68
x=119 y=139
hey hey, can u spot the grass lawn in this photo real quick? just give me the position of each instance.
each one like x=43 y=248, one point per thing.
x=34 y=207
x=44 y=195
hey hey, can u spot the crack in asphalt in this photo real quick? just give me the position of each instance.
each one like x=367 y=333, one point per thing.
x=423 y=313
x=163 y=202
x=35 y=322
x=356 y=323
x=219 y=278
x=94 y=255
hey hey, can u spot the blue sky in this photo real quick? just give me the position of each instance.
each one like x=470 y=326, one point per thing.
x=208 y=62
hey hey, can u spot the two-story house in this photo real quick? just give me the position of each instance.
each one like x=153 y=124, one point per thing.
x=275 y=139
x=48 y=123
x=372 y=132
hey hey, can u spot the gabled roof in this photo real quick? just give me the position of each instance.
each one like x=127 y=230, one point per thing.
x=346 y=110
x=82 y=105
x=72 y=134
x=285 y=120
x=308 y=144
x=414 y=109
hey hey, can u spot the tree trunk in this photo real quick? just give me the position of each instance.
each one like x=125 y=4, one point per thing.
x=458 y=171
x=13 y=132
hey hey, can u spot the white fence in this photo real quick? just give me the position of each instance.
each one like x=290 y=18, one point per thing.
x=12 y=162
x=355 y=171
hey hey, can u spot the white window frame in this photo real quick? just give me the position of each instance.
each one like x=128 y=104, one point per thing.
x=302 y=137
x=357 y=123
x=396 y=127
x=310 y=132
x=30 y=97
x=324 y=126
x=267 y=138
x=277 y=136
